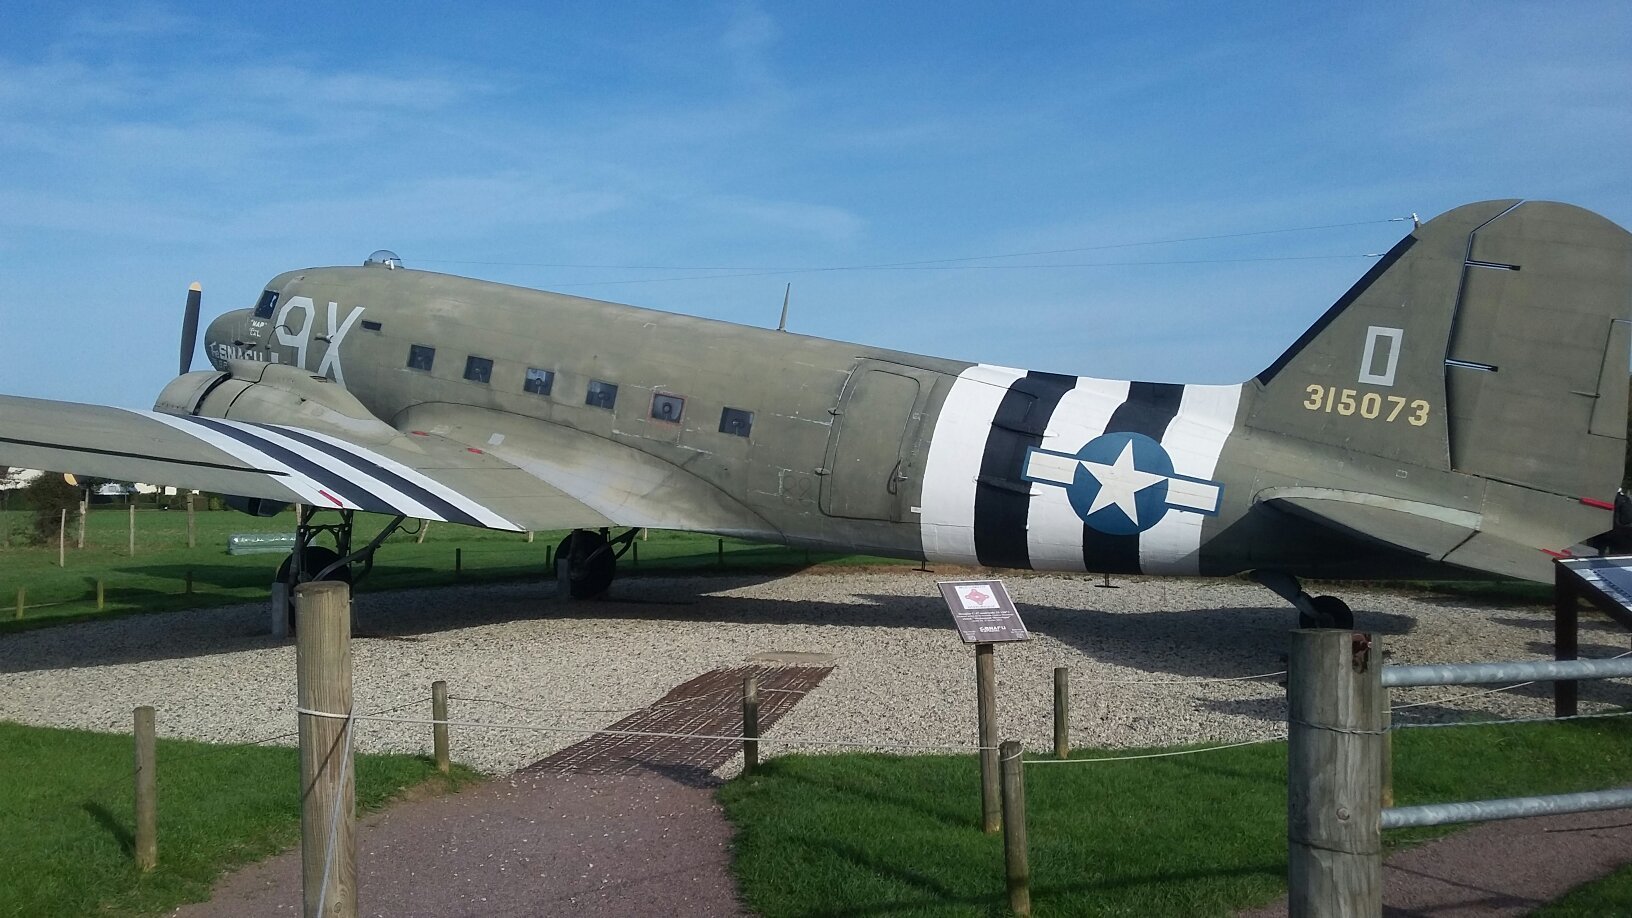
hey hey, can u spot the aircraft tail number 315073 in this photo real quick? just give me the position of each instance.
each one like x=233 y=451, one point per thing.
x=1461 y=410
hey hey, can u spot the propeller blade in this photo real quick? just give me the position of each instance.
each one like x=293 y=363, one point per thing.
x=189 y=326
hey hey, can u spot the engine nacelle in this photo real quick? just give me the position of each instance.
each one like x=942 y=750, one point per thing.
x=271 y=393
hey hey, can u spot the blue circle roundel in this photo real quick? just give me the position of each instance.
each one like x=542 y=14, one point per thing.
x=1120 y=485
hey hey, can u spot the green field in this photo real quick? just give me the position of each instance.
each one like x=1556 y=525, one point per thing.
x=68 y=812
x=156 y=576
x=1193 y=835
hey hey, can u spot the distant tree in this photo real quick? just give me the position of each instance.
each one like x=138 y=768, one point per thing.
x=48 y=496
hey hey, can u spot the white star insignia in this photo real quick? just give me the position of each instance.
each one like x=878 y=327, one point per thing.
x=1119 y=483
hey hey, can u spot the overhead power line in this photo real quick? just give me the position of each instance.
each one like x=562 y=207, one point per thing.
x=934 y=264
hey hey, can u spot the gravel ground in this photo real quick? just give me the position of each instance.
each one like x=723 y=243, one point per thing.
x=513 y=653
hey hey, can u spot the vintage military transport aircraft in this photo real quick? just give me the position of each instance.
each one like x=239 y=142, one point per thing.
x=1461 y=410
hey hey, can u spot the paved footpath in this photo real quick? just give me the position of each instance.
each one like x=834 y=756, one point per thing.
x=1499 y=869
x=532 y=843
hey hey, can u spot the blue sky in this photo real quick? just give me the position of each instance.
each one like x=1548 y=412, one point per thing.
x=144 y=146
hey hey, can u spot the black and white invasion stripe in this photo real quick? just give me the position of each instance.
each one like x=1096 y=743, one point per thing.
x=977 y=509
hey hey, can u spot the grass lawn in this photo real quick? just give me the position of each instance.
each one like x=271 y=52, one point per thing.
x=1193 y=835
x=68 y=812
x=1609 y=896
x=154 y=579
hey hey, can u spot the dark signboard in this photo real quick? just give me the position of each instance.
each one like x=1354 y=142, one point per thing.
x=983 y=611
x=1610 y=577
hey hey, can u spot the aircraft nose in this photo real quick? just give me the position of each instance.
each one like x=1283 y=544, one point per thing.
x=230 y=337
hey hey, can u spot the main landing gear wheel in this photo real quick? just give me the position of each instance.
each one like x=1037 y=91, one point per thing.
x=591 y=563
x=315 y=559
x=1326 y=612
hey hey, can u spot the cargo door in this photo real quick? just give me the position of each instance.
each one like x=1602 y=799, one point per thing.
x=870 y=449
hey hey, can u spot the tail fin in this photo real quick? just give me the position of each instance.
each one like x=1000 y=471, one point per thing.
x=1495 y=340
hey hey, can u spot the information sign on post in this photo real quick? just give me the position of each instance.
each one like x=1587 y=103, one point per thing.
x=983 y=611
x=985 y=615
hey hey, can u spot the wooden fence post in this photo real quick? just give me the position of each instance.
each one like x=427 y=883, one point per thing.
x=986 y=704
x=1333 y=782
x=147 y=806
x=84 y=511
x=1062 y=712
x=424 y=527
x=62 y=539
x=101 y=594
x=22 y=598
x=132 y=514
x=327 y=782
x=750 y=723
x=192 y=524
x=439 y=732
x=1016 y=859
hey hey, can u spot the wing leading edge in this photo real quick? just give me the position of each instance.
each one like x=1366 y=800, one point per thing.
x=421 y=476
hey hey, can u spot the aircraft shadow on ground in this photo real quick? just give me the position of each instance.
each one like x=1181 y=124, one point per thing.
x=1210 y=643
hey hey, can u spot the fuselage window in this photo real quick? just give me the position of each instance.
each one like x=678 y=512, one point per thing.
x=539 y=382
x=601 y=394
x=667 y=407
x=268 y=302
x=421 y=357
x=478 y=369
x=737 y=422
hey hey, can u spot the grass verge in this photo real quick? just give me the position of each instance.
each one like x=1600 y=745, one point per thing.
x=68 y=812
x=1193 y=835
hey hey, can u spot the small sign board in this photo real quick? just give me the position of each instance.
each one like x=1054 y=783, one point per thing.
x=1610 y=578
x=983 y=611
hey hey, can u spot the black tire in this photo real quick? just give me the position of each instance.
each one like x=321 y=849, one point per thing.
x=1330 y=612
x=316 y=558
x=591 y=566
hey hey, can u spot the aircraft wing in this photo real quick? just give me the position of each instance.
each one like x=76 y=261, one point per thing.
x=1484 y=542
x=417 y=474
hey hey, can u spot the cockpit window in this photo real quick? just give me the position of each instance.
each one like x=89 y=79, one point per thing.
x=269 y=302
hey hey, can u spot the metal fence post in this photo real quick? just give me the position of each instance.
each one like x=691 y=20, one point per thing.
x=1566 y=638
x=1333 y=782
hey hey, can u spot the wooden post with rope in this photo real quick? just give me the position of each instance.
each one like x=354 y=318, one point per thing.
x=1333 y=775
x=1016 y=859
x=327 y=780
x=439 y=731
x=147 y=807
x=1062 y=712
x=750 y=723
x=986 y=704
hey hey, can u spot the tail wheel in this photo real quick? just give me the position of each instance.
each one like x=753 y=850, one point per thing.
x=1329 y=612
x=591 y=563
